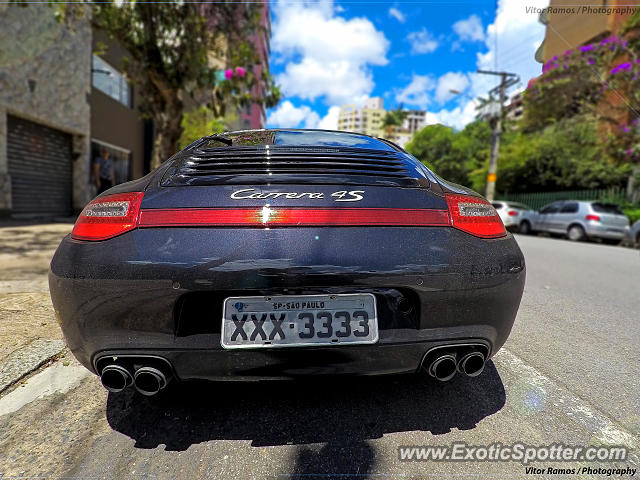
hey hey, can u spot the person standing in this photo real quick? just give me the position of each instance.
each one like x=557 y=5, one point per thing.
x=103 y=172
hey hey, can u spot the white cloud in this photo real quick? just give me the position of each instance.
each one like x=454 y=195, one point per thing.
x=422 y=42
x=469 y=29
x=457 y=117
x=450 y=81
x=326 y=55
x=519 y=36
x=432 y=119
x=290 y=116
x=397 y=14
x=417 y=92
x=330 y=120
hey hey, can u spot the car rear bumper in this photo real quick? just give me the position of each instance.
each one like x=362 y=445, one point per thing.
x=511 y=221
x=603 y=231
x=159 y=292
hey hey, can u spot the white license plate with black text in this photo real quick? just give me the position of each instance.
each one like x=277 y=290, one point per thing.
x=299 y=320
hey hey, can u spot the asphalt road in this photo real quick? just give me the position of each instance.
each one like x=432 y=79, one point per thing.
x=568 y=374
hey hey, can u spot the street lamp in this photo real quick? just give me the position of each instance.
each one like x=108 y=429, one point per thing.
x=458 y=92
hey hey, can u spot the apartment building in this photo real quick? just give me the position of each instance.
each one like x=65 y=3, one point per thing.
x=514 y=109
x=369 y=118
x=366 y=119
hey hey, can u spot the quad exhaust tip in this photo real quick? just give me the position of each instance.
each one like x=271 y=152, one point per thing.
x=471 y=364
x=115 y=378
x=443 y=367
x=149 y=381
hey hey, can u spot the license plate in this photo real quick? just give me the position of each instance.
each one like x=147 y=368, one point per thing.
x=299 y=320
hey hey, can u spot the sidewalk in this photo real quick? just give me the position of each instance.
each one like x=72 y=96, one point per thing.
x=28 y=329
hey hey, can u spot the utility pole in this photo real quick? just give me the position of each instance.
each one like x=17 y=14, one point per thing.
x=507 y=80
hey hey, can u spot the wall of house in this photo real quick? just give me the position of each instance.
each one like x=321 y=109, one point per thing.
x=566 y=31
x=111 y=121
x=45 y=77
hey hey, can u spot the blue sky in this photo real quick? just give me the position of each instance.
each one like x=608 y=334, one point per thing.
x=328 y=53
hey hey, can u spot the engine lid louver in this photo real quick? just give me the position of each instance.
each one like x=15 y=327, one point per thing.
x=275 y=164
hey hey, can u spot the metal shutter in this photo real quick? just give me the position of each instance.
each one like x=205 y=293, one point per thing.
x=40 y=166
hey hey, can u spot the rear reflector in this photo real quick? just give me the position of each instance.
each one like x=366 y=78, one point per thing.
x=108 y=216
x=475 y=216
x=292 y=217
x=513 y=213
x=595 y=218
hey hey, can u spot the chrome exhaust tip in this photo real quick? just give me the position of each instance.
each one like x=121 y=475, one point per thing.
x=443 y=367
x=149 y=381
x=471 y=364
x=115 y=378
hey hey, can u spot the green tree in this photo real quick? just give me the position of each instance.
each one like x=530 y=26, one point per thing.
x=169 y=47
x=453 y=155
x=199 y=123
x=392 y=119
x=567 y=155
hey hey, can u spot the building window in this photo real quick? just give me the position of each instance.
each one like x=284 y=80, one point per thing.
x=111 y=82
x=120 y=158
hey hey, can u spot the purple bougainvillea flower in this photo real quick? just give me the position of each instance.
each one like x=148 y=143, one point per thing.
x=622 y=66
x=591 y=61
x=627 y=129
x=240 y=71
x=629 y=152
x=228 y=74
x=568 y=52
x=586 y=48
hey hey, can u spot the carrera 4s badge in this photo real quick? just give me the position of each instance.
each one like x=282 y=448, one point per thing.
x=339 y=196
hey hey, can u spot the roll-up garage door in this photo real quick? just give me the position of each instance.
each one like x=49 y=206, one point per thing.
x=40 y=166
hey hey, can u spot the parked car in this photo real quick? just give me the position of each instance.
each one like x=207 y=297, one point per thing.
x=634 y=235
x=280 y=253
x=578 y=220
x=510 y=212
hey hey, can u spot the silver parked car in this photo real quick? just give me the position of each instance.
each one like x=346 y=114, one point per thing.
x=510 y=212
x=578 y=220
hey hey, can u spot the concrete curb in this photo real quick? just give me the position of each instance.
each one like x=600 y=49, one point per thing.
x=24 y=361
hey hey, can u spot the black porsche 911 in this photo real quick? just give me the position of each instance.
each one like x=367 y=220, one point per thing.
x=272 y=254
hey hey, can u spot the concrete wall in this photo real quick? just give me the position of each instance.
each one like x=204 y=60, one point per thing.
x=45 y=77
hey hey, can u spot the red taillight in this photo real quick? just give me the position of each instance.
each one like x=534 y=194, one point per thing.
x=475 y=216
x=108 y=216
x=291 y=217
x=595 y=218
x=513 y=213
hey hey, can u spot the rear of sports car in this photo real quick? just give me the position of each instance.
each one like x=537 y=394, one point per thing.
x=283 y=253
